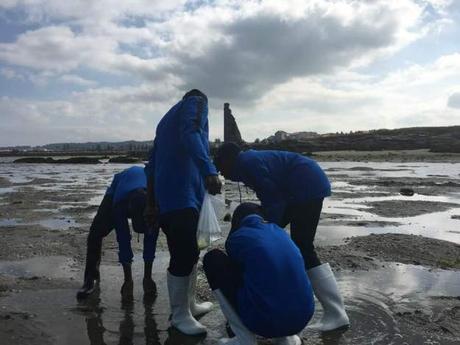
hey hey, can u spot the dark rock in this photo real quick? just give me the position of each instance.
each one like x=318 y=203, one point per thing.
x=78 y=160
x=49 y=160
x=406 y=191
x=124 y=159
x=231 y=131
x=34 y=160
x=228 y=217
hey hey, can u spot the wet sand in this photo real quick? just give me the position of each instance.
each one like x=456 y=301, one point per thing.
x=397 y=258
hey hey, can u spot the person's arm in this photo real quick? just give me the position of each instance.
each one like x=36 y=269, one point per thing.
x=113 y=186
x=151 y=210
x=194 y=119
x=235 y=247
x=125 y=253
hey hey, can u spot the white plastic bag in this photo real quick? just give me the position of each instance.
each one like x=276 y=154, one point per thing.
x=208 y=225
x=218 y=203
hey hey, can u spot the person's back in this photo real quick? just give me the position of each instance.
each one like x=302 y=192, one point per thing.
x=276 y=298
x=127 y=181
x=282 y=168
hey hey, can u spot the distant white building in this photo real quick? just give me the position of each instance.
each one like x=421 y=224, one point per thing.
x=280 y=136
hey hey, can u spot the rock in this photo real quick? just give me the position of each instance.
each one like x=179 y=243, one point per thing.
x=406 y=191
x=228 y=217
x=124 y=159
x=78 y=160
x=49 y=160
x=231 y=132
x=34 y=160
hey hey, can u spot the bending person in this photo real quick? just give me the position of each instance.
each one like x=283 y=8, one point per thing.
x=179 y=171
x=124 y=199
x=261 y=284
x=291 y=188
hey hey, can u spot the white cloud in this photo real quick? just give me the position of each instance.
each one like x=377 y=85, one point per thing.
x=11 y=74
x=77 y=80
x=288 y=65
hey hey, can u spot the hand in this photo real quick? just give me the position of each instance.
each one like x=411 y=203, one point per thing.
x=213 y=184
x=150 y=215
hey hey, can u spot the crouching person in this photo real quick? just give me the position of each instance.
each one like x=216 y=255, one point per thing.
x=261 y=283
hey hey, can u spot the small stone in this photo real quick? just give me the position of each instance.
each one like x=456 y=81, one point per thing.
x=406 y=191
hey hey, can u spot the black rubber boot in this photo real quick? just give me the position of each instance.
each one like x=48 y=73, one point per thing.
x=150 y=288
x=89 y=286
x=127 y=287
x=92 y=275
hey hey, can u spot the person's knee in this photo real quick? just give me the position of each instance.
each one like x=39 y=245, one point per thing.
x=93 y=238
x=211 y=259
x=182 y=265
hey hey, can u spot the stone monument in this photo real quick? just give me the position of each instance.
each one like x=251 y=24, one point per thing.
x=231 y=131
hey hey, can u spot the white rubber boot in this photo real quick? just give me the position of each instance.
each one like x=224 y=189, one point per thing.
x=292 y=340
x=326 y=290
x=243 y=336
x=197 y=309
x=181 y=317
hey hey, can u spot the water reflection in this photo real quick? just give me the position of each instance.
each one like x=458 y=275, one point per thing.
x=95 y=327
x=400 y=304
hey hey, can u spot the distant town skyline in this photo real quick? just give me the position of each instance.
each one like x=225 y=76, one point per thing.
x=107 y=70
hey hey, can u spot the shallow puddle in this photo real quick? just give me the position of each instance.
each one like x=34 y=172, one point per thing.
x=58 y=223
x=9 y=222
x=381 y=305
x=49 y=267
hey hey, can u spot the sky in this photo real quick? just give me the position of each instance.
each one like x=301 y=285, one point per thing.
x=86 y=70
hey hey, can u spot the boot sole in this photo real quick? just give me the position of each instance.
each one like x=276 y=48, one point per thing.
x=190 y=335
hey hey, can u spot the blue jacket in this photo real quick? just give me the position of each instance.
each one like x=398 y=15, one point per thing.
x=276 y=298
x=180 y=160
x=281 y=178
x=120 y=190
x=125 y=182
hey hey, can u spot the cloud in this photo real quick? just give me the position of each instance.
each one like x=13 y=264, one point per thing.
x=454 y=100
x=287 y=65
x=77 y=80
x=237 y=51
x=251 y=51
x=11 y=74
x=54 y=48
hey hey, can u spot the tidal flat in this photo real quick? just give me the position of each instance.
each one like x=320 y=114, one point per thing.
x=397 y=257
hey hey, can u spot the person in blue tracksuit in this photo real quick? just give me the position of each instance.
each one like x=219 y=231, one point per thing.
x=261 y=283
x=179 y=172
x=291 y=188
x=124 y=199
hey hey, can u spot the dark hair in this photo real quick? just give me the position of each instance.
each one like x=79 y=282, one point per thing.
x=136 y=205
x=227 y=151
x=195 y=92
x=242 y=211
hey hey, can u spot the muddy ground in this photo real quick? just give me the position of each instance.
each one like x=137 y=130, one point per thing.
x=48 y=216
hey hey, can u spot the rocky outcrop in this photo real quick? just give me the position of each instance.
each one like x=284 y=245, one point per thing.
x=49 y=160
x=231 y=131
x=125 y=159
x=437 y=139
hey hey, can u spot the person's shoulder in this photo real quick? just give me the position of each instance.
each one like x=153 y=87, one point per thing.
x=133 y=170
x=249 y=155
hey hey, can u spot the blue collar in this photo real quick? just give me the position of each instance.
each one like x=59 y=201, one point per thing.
x=251 y=220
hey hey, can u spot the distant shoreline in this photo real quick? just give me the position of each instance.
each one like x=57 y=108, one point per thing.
x=423 y=155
